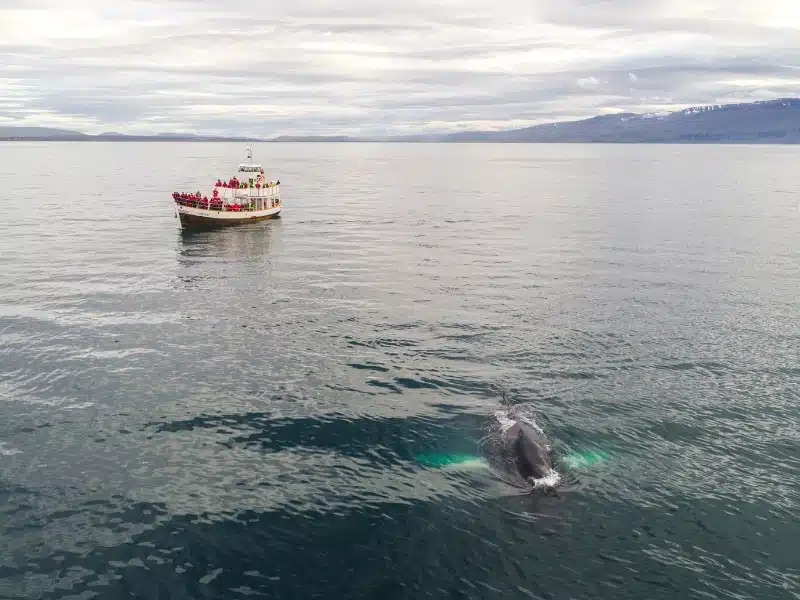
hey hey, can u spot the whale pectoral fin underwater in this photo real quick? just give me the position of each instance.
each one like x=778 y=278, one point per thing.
x=452 y=461
x=575 y=461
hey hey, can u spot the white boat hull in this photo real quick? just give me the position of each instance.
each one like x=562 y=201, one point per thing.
x=196 y=218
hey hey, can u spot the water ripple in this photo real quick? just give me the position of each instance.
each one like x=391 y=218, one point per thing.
x=243 y=412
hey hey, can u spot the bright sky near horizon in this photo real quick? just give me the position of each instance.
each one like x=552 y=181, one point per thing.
x=371 y=67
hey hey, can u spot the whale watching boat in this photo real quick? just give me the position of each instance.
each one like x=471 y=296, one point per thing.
x=247 y=197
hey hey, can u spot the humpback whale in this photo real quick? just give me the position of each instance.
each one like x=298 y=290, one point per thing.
x=530 y=451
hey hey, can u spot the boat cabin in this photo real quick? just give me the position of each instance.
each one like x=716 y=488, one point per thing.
x=249 y=173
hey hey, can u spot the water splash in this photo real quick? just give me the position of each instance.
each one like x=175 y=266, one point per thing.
x=5 y=450
x=507 y=420
x=551 y=480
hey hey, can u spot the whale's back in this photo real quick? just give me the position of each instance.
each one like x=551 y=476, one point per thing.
x=532 y=450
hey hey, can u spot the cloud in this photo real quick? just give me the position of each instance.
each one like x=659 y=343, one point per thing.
x=311 y=67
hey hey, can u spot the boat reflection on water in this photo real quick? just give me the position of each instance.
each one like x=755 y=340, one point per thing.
x=227 y=253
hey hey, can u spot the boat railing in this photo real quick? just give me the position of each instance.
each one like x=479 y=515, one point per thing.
x=219 y=205
x=251 y=188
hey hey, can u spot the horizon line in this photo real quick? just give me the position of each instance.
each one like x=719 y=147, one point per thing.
x=75 y=135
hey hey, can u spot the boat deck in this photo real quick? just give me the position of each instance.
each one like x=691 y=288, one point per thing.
x=255 y=204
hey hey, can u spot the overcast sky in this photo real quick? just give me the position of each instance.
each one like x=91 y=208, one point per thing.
x=263 y=68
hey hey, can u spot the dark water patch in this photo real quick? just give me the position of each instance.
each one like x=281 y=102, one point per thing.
x=282 y=559
x=368 y=367
x=415 y=384
x=339 y=388
x=706 y=368
x=385 y=385
x=384 y=343
x=465 y=385
x=565 y=375
x=390 y=439
x=793 y=371
x=448 y=354
x=203 y=555
x=464 y=337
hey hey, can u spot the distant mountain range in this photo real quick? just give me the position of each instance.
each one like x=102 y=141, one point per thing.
x=772 y=121
x=47 y=134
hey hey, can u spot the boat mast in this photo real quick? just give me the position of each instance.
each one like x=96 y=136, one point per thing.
x=250 y=159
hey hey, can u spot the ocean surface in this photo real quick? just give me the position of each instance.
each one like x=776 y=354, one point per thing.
x=302 y=408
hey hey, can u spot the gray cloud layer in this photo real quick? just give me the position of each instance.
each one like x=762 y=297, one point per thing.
x=265 y=68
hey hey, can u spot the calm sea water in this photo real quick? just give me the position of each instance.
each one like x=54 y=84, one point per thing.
x=242 y=412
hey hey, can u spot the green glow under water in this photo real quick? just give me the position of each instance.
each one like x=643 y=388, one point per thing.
x=438 y=461
x=580 y=460
x=572 y=461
